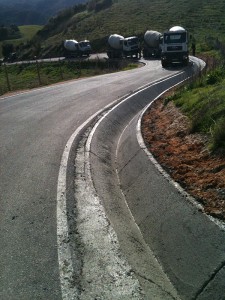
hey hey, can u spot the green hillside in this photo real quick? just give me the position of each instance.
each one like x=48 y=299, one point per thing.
x=203 y=19
x=27 y=33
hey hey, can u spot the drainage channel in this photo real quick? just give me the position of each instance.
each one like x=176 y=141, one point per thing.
x=116 y=261
x=117 y=277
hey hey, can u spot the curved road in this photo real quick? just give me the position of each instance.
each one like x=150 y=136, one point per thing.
x=151 y=214
x=34 y=129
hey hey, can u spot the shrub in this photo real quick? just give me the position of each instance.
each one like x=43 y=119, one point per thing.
x=215 y=76
x=218 y=135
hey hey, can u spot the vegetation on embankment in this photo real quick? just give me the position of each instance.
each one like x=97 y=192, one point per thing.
x=14 y=77
x=203 y=101
x=28 y=31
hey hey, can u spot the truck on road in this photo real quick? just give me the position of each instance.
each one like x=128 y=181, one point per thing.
x=152 y=44
x=175 y=47
x=73 y=48
x=119 y=47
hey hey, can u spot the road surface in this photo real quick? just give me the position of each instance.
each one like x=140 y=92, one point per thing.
x=158 y=225
x=34 y=129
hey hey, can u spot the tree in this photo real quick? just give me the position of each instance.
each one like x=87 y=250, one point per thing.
x=91 y=5
x=100 y=5
x=3 y=33
x=7 y=49
x=14 y=28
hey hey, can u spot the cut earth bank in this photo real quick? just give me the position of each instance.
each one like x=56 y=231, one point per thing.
x=184 y=156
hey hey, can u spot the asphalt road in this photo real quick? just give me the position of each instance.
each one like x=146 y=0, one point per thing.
x=158 y=225
x=101 y=152
x=34 y=129
x=152 y=215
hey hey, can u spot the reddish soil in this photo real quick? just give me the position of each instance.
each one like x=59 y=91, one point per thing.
x=185 y=156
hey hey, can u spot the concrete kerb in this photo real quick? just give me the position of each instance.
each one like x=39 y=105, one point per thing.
x=154 y=161
x=200 y=65
x=190 y=245
x=164 y=173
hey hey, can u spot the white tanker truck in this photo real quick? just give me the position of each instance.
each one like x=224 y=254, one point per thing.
x=152 y=44
x=175 y=47
x=73 y=48
x=119 y=47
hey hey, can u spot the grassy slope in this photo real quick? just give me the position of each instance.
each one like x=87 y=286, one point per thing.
x=27 y=32
x=27 y=76
x=203 y=102
x=128 y=17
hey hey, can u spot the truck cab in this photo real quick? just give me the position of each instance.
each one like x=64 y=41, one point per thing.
x=84 y=47
x=131 y=46
x=175 y=47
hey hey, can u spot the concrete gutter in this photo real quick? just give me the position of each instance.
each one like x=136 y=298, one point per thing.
x=101 y=166
x=141 y=236
x=189 y=244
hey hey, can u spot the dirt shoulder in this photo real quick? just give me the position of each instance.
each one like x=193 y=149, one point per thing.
x=185 y=156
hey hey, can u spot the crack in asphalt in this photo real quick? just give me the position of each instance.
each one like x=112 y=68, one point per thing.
x=207 y=282
x=119 y=171
x=160 y=287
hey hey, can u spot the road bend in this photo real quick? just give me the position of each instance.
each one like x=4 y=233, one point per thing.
x=35 y=127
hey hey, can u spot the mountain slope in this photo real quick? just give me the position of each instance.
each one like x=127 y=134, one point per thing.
x=129 y=17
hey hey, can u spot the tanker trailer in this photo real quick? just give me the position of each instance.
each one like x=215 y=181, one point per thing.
x=70 y=48
x=115 y=46
x=73 y=48
x=119 y=47
x=152 y=44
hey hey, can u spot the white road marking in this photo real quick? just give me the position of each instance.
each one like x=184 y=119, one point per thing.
x=69 y=291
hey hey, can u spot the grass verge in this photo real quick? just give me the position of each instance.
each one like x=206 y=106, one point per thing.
x=203 y=101
x=27 y=76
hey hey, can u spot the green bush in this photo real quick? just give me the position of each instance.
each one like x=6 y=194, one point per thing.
x=215 y=76
x=203 y=101
x=218 y=135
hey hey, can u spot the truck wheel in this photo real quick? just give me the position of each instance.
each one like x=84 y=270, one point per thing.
x=164 y=64
x=185 y=63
